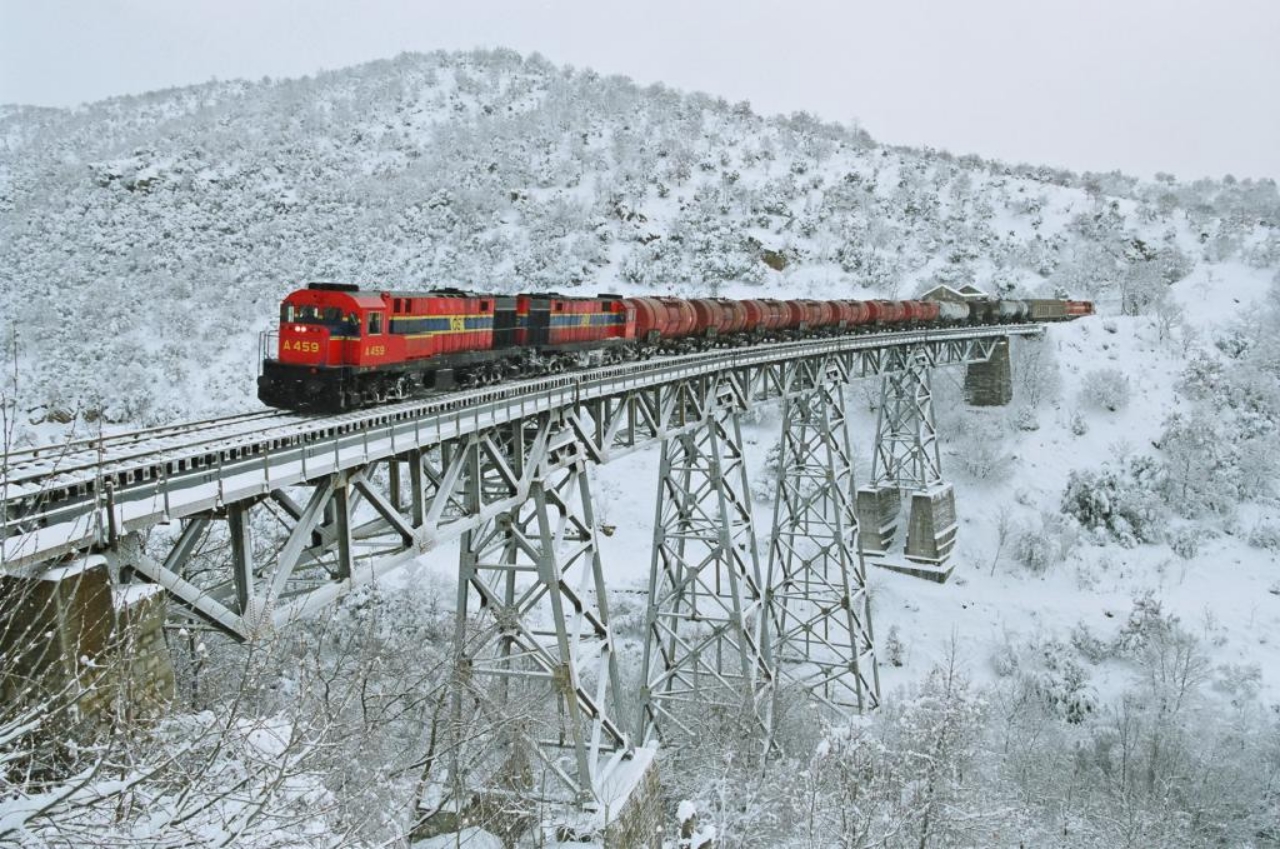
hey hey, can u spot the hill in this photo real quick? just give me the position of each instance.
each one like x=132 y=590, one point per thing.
x=164 y=228
x=1100 y=669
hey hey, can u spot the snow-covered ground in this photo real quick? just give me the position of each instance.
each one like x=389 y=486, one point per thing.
x=159 y=233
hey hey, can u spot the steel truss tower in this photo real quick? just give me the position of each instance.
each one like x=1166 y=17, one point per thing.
x=906 y=446
x=704 y=657
x=818 y=595
x=534 y=648
x=906 y=460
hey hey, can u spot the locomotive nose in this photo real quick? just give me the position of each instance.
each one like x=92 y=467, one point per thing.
x=304 y=344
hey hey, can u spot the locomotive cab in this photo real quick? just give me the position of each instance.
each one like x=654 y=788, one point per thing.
x=326 y=330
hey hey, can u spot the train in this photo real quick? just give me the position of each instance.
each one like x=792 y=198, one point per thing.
x=340 y=347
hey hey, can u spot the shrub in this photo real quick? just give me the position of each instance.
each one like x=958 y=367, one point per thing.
x=1090 y=646
x=1185 y=542
x=1024 y=418
x=1038 y=548
x=980 y=445
x=1147 y=621
x=1063 y=684
x=1032 y=550
x=1106 y=388
x=1265 y=535
x=894 y=651
x=1121 y=504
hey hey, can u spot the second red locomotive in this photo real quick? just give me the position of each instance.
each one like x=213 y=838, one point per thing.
x=341 y=347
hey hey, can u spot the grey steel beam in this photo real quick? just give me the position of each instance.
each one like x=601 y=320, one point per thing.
x=533 y=644
x=241 y=553
x=703 y=652
x=818 y=600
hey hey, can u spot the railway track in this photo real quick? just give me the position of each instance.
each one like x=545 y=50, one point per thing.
x=46 y=481
x=24 y=466
x=18 y=457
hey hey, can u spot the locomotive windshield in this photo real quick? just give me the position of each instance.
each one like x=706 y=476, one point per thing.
x=330 y=317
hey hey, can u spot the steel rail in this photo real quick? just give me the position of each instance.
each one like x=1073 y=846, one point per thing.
x=81 y=454
x=110 y=439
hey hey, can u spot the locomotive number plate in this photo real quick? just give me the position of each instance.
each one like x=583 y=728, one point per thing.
x=302 y=347
x=375 y=350
x=457 y=323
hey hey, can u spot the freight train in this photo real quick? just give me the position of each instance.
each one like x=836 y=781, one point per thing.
x=342 y=347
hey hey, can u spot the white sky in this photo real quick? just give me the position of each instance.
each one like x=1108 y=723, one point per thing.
x=1187 y=86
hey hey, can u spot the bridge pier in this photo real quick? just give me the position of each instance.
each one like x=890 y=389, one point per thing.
x=818 y=596
x=705 y=656
x=906 y=461
x=990 y=383
x=534 y=654
x=77 y=651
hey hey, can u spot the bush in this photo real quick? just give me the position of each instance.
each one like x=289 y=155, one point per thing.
x=1106 y=388
x=1032 y=550
x=1090 y=646
x=894 y=651
x=1265 y=535
x=1024 y=418
x=1121 y=504
x=1063 y=684
x=980 y=446
x=1038 y=548
x=1185 y=542
x=1147 y=621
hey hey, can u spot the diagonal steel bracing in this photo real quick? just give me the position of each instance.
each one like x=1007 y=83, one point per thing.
x=906 y=445
x=703 y=655
x=534 y=649
x=818 y=597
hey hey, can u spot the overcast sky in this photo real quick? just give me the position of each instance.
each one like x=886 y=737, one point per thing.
x=1187 y=86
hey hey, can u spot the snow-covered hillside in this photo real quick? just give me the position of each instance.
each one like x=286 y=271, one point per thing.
x=162 y=229
x=1104 y=667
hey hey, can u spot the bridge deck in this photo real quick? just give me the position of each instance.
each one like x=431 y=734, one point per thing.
x=64 y=500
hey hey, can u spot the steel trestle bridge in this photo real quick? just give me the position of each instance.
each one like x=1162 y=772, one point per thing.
x=504 y=470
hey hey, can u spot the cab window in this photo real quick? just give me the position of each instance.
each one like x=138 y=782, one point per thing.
x=375 y=324
x=286 y=313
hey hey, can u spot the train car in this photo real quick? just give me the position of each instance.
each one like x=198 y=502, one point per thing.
x=888 y=312
x=952 y=312
x=819 y=314
x=661 y=318
x=763 y=316
x=341 y=347
x=846 y=313
x=983 y=311
x=1043 y=309
x=861 y=311
x=558 y=322
x=718 y=317
x=1012 y=310
x=785 y=315
x=794 y=315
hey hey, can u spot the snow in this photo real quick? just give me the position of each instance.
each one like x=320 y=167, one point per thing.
x=470 y=838
x=124 y=596
x=166 y=227
x=77 y=566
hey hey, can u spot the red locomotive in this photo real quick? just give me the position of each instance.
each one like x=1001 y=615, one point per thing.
x=341 y=347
